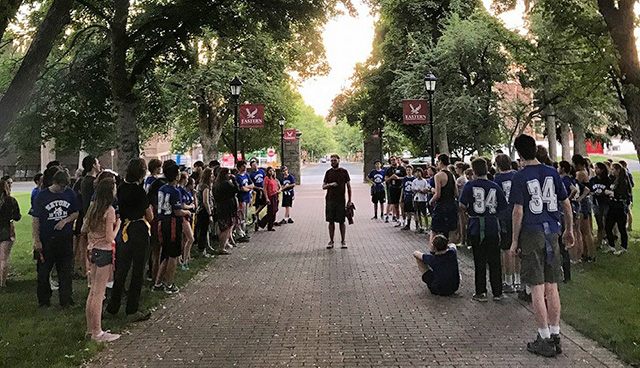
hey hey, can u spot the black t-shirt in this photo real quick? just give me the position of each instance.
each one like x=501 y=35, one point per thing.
x=340 y=176
x=152 y=195
x=86 y=190
x=398 y=170
x=132 y=201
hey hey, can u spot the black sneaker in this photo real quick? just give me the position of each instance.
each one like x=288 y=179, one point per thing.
x=506 y=288
x=171 y=289
x=156 y=288
x=480 y=297
x=290 y=221
x=556 y=342
x=543 y=347
x=524 y=296
x=374 y=218
x=406 y=227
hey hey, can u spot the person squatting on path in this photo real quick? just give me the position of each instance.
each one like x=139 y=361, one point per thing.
x=539 y=198
x=101 y=226
x=484 y=200
x=334 y=182
x=287 y=183
x=56 y=208
x=439 y=269
x=376 y=178
x=9 y=212
x=132 y=244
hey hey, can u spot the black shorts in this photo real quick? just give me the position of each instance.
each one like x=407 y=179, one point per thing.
x=428 y=278
x=335 y=211
x=394 y=195
x=378 y=197
x=261 y=200
x=444 y=218
x=506 y=236
x=421 y=207
x=170 y=237
x=287 y=201
x=408 y=206
x=101 y=257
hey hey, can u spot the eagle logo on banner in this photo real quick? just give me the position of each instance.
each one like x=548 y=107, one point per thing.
x=251 y=114
x=415 y=110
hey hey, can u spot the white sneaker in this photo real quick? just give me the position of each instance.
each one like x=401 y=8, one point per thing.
x=110 y=285
x=610 y=250
x=105 y=336
x=619 y=252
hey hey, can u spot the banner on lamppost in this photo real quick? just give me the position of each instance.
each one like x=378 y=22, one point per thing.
x=415 y=111
x=251 y=116
x=289 y=134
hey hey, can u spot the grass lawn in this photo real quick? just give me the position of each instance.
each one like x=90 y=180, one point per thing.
x=52 y=337
x=603 y=299
x=629 y=156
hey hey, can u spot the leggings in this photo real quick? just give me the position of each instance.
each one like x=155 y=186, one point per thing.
x=202 y=230
x=617 y=215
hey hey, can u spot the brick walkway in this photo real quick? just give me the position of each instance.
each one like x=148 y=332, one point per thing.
x=284 y=300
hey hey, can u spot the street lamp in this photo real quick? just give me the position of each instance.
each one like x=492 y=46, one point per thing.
x=281 y=122
x=430 y=86
x=236 y=88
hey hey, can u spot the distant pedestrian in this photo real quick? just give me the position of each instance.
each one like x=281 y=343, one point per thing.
x=336 y=181
x=257 y=178
x=407 y=198
x=393 y=177
x=420 y=189
x=287 y=184
x=271 y=191
x=9 y=212
x=620 y=194
x=244 y=201
x=376 y=178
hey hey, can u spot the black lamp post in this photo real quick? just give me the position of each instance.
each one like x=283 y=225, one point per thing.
x=281 y=122
x=430 y=85
x=236 y=87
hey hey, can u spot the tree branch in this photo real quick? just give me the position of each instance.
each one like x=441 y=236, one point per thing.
x=93 y=9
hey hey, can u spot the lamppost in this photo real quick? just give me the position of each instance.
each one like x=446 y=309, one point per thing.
x=281 y=122
x=430 y=85
x=236 y=87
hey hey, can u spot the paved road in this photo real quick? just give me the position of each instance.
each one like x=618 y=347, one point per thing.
x=284 y=300
x=314 y=173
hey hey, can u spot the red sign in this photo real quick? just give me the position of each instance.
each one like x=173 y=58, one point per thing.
x=251 y=116
x=415 y=111
x=271 y=152
x=289 y=134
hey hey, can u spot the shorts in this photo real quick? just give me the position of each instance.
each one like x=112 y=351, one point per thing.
x=287 y=201
x=506 y=236
x=170 y=237
x=428 y=277
x=394 y=195
x=408 y=206
x=585 y=208
x=533 y=258
x=260 y=200
x=444 y=218
x=378 y=197
x=101 y=258
x=420 y=207
x=335 y=211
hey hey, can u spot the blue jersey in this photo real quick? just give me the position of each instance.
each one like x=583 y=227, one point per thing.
x=187 y=197
x=148 y=181
x=484 y=201
x=289 y=179
x=169 y=200
x=407 y=188
x=540 y=191
x=377 y=177
x=257 y=178
x=504 y=182
x=50 y=208
x=432 y=184
x=243 y=181
x=34 y=195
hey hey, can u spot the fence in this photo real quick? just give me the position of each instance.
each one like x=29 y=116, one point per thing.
x=20 y=172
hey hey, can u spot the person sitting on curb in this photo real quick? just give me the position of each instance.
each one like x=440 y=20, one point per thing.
x=440 y=269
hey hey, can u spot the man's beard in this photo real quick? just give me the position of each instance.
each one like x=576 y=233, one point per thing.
x=334 y=165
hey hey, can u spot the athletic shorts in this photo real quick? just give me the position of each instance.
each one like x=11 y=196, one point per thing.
x=420 y=207
x=585 y=208
x=170 y=237
x=408 y=206
x=287 y=201
x=444 y=218
x=335 y=211
x=506 y=236
x=260 y=199
x=378 y=197
x=428 y=277
x=394 y=195
x=535 y=270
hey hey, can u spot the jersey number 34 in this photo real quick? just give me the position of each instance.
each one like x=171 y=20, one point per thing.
x=541 y=196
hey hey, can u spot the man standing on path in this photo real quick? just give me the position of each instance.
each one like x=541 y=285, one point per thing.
x=444 y=213
x=536 y=194
x=335 y=180
x=376 y=178
x=393 y=177
x=257 y=178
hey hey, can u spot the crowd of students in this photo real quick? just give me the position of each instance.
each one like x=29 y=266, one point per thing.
x=107 y=228
x=510 y=214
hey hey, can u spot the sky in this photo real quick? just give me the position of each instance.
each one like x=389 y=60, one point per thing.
x=348 y=41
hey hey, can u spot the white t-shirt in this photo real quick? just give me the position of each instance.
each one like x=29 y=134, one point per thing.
x=416 y=187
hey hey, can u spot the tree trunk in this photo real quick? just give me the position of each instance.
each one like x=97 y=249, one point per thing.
x=8 y=10
x=620 y=19
x=442 y=140
x=21 y=88
x=579 y=140
x=565 y=140
x=128 y=134
x=550 y=124
x=210 y=123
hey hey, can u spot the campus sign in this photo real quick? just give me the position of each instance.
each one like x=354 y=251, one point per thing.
x=251 y=116
x=289 y=134
x=415 y=111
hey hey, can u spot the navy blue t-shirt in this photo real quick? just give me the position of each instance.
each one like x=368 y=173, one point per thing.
x=504 y=181
x=50 y=208
x=289 y=179
x=446 y=275
x=244 y=180
x=377 y=177
x=483 y=199
x=540 y=191
x=169 y=200
x=408 y=191
x=257 y=178
x=148 y=181
x=34 y=194
x=186 y=197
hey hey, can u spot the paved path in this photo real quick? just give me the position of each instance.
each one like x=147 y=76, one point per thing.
x=284 y=300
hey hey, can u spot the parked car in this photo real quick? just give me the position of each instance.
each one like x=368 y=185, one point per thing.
x=323 y=160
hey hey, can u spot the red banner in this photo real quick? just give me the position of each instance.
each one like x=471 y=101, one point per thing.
x=289 y=134
x=251 y=116
x=415 y=111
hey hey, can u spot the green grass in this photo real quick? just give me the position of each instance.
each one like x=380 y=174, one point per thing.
x=52 y=337
x=628 y=156
x=603 y=299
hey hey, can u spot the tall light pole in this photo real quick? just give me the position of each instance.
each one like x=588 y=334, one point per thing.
x=236 y=88
x=430 y=86
x=281 y=122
